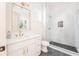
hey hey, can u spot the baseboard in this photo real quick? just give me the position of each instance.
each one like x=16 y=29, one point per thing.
x=64 y=46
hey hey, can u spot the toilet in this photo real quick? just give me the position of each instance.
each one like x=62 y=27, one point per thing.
x=77 y=50
x=45 y=44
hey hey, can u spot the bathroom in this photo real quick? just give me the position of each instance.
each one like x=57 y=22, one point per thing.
x=39 y=29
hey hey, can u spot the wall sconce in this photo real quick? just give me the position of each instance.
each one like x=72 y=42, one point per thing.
x=24 y=4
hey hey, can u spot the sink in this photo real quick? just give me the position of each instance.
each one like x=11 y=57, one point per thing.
x=26 y=35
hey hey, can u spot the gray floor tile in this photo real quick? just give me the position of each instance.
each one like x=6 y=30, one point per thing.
x=53 y=52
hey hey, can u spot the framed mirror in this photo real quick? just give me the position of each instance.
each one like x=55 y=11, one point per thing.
x=20 y=19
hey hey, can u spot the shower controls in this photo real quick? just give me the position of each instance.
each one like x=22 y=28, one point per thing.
x=49 y=28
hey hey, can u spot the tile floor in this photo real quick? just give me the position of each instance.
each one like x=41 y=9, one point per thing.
x=53 y=52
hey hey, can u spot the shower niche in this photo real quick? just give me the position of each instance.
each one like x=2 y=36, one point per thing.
x=60 y=24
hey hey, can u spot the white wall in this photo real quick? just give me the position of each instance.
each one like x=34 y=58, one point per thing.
x=36 y=17
x=65 y=12
x=48 y=14
x=2 y=24
x=77 y=26
x=9 y=17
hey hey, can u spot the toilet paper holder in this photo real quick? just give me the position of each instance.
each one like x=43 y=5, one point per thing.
x=2 y=48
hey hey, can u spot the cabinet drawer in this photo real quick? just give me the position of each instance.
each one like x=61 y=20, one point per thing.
x=17 y=45
x=3 y=53
x=33 y=50
x=17 y=52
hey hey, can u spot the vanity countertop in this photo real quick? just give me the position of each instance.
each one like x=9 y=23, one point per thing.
x=26 y=37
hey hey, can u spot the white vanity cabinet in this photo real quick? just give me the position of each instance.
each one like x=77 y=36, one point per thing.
x=29 y=46
x=34 y=49
x=20 y=40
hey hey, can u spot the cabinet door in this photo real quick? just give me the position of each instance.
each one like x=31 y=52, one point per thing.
x=37 y=47
x=17 y=52
x=31 y=50
x=25 y=50
x=34 y=49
